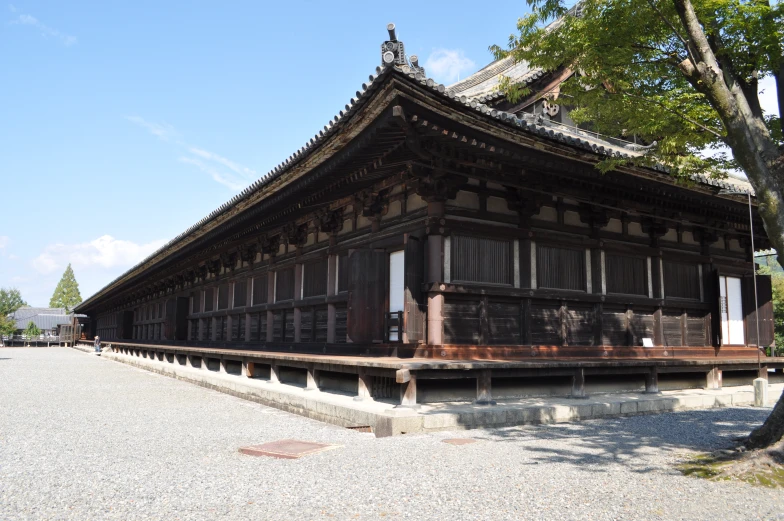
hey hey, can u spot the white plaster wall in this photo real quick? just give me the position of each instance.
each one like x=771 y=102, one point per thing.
x=573 y=219
x=498 y=205
x=614 y=225
x=547 y=213
x=465 y=199
x=415 y=202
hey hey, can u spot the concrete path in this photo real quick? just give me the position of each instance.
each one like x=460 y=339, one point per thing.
x=86 y=438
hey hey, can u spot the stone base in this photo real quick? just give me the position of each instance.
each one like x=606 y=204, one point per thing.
x=386 y=419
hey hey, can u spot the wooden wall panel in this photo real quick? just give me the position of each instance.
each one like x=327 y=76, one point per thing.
x=341 y=316
x=579 y=325
x=223 y=296
x=503 y=323
x=306 y=325
x=461 y=321
x=366 y=295
x=681 y=280
x=320 y=326
x=545 y=324
x=475 y=259
x=696 y=330
x=671 y=325
x=260 y=289
x=343 y=267
x=765 y=307
x=284 y=284
x=560 y=268
x=314 y=281
x=626 y=275
x=241 y=293
x=641 y=326
x=614 y=326
x=209 y=300
x=414 y=299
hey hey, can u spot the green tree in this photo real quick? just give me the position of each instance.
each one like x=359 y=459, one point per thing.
x=32 y=331
x=66 y=294
x=10 y=301
x=7 y=326
x=684 y=73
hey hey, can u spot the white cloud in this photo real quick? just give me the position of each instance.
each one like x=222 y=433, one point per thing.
x=220 y=177
x=447 y=65
x=4 y=240
x=45 y=30
x=103 y=252
x=162 y=131
x=236 y=178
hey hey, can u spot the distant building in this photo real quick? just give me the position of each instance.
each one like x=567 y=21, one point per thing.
x=48 y=320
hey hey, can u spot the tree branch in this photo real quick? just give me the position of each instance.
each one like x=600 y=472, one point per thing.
x=714 y=132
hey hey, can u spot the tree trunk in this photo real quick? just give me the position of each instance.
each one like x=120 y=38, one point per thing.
x=753 y=148
x=771 y=431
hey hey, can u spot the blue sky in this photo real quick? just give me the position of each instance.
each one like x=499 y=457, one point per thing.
x=121 y=124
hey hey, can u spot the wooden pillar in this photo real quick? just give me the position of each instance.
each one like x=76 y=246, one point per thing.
x=713 y=379
x=297 y=296
x=312 y=379
x=270 y=299
x=658 y=327
x=435 y=274
x=484 y=391
x=652 y=381
x=214 y=331
x=364 y=384
x=763 y=372
x=274 y=373
x=248 y=369
x=408 y=393
x=578 y=383
x=332 y=271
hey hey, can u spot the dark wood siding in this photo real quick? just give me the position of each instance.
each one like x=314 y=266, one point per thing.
x=209 y=300
x=461 y=321
x=340 y=323
x=289 y=326
x=320 y=327
x=579 y=325
x=196 y=299
x=366 y=295
x=545 y=324
x=240 y=293
x=560 y=268
x=223 y=296
x=284 y=284
x=503 y=322
x=764 y=307
x=641 y=325
x=314 y=278
x=414 y=298
x=208 y=329
x=681 y=280
x=696 y=330
x=260 y=289
x=671 y=324
x=258 y=327
x=277 y=326
x=238 y=327
x=614 y=326
x=626 y=275
x=343 y=272
x=475 y=259
x=306 y=325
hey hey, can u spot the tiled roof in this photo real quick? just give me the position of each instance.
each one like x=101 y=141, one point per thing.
x=44 y=318
x=531 y=125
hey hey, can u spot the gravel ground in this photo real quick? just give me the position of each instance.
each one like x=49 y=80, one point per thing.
x=86 y=438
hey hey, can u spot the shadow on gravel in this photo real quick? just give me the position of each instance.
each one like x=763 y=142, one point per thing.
x=593 y=444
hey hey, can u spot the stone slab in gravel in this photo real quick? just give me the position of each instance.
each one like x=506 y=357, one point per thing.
x=86 y=438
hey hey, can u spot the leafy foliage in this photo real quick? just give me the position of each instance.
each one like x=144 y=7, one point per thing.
x=10 y=301
x=7 y=326
x=66 y=294
x=629 y=81
x=32 y=330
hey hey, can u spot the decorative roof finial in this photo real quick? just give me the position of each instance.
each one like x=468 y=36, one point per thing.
x=393 y=53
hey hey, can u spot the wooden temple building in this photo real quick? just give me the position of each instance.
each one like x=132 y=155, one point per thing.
x=463 y=238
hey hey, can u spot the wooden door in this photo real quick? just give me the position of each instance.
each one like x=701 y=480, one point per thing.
x=366 y=296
